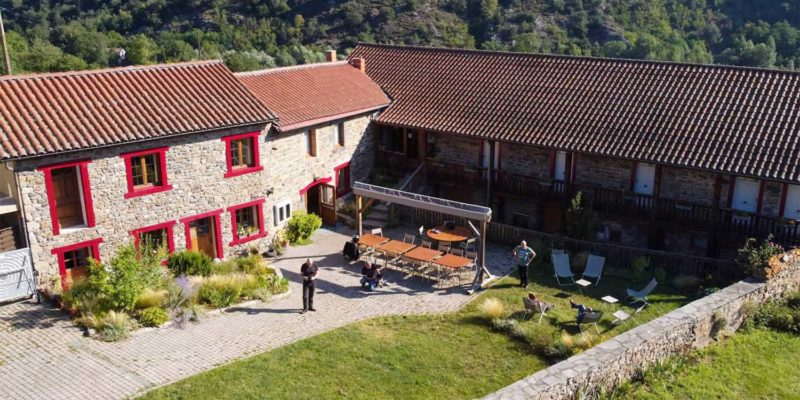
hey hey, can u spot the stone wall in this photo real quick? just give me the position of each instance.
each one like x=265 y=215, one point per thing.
x=688 y=185
x=692 y=326
x=606 y=172
x=525 y=160
x=457 y=149
x=196 y=165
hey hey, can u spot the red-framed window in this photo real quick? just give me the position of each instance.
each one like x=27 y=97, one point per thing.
x=211 y=228
x=241 y=154
x=69 y=194
x=342 y=173
x=73 y=259
x=247 y=221
x=156 y=235
x=146 y=171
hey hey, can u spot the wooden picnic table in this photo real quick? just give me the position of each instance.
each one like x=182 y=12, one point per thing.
x=453 y=261
x=423 y=254
x=396 y=247
x=370 y=240
x=442 y=234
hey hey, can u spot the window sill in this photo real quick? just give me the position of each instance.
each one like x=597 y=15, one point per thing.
x=242 y=171
x=72 y=229
x=146 y=191
x=247 y=239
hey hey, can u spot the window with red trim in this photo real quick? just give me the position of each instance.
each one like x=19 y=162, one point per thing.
x=247 y=221
x=342 y=179
x=241 y=154
x=155 y=237
x=69 y=195
x=74 y=259
x=146 y=171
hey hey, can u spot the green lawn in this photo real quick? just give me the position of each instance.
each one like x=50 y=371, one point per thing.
x=449 y=356
x=752 y=364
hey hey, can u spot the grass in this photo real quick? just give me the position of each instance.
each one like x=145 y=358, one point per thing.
x=752 y=364
x=454 y=355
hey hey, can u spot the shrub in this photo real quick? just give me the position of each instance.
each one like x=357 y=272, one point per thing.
x=687 y=284
x=782 y=315
x=492 y=309
x=580 y=221
x=301 y=226
x=505 y=325
x=639 y=267
x=226 y=267
x=660 y=274
x=153 y=316
x=150 y=298
x=190 y=263
x=540 y=337
x=221 y=291
x=262 y=294
x=114 y=326
x=754 y=256
x=250 y=263
x=275 y=284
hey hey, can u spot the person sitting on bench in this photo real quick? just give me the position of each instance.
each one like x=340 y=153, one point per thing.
x=350 y=251
x=370 y=275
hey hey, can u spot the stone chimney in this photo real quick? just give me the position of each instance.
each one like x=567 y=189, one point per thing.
x=330 y=55
x=359 y=63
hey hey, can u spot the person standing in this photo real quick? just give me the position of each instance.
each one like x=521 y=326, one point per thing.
x=309 y=273
x=523 y=255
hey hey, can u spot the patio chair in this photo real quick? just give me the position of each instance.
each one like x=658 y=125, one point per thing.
x=532 y=307
x=590 y=318
x=557 y=251
x=377 y=231
x=594 y=268
x=444 y=247
x=457 y=252
x=469 y=244
x=641 y=295
x=409 y=238
x=562 y=271
x=421 y=230
x=427 y=243
x=622 y=316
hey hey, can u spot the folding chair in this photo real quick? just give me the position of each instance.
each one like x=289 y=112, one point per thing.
x=409 y=238
x=532 y=307
x=469 y=244
x=457 y=252
x=590 y=318
x=561 y=267
x=557 y=252
x=594 y=268
x=444 y=247
x=622 y=316
x=377 y=231
x=641 y=295
x=426 y=244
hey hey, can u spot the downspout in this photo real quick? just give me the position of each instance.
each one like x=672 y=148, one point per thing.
x=490 y=174
x=25 y=229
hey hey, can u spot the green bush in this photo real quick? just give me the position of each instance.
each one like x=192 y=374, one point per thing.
x=639 y=267
x=301 y=226
x=492 y=309
x=226 y=267
x=262 y=294
x=114 y=326
x=660 y=274
x=250 y=263
x=580 y=221
x=754 y=256
x=150 y=298
x=153 y=316
x=782 y=315
x=190 y=263
x=220 y=291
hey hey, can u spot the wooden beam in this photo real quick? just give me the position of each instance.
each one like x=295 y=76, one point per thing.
x=366 y=206
x=358 y=215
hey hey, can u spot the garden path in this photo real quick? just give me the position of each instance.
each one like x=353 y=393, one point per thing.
x=44 y=356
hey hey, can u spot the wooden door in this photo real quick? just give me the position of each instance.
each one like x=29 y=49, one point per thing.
x=68 y=197
x=75 y=263
x=327 y=204
x=203 y=237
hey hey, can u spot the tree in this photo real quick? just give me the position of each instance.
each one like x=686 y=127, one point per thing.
x=580 y=220
x=141 y=50
x=240 y=62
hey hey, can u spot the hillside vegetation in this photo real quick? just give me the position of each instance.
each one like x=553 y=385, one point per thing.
x=52 y=35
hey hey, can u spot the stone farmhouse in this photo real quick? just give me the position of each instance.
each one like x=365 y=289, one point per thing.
x=183 y=155
x=677 y=157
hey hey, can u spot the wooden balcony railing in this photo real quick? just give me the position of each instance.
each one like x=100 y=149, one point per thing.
x=394 y=163
x=456 y=173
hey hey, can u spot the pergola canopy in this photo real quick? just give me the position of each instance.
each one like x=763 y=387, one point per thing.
x=450 y=207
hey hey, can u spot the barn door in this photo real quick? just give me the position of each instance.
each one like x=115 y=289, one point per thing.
x=327 y=203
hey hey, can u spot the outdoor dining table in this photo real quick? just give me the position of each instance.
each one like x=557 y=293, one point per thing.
x=442 y=234
x=453 y=261
x=423 y=254
x=395 y=247
x=370 y=240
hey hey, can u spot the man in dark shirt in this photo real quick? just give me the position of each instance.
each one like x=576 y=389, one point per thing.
x=370 y=275
x=309 y=274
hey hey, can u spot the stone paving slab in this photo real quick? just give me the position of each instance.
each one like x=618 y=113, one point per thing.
x=44 y=356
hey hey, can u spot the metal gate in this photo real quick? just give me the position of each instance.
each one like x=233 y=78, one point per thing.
x=16 y=275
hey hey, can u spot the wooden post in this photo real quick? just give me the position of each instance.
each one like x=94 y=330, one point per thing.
x=483 y=251
x=6 y=58
x=358 y=215
x=490 y=175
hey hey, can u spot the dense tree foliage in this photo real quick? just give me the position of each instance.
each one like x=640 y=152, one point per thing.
x=54 y=35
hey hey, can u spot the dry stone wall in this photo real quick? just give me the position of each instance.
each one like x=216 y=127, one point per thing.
x=196 y=165
x=678 y=332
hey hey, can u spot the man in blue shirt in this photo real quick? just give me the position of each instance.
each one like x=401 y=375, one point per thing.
x=523 y=255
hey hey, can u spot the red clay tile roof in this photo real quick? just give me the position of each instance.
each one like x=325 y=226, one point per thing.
x=726 y=119
x=52 y=113
x=311 y=94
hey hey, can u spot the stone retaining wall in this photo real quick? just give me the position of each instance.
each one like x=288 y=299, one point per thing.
x=679 y=332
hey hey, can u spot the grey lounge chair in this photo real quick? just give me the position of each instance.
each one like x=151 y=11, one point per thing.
x=562 y=271
x=591 y=318
x=532 y=307
x=594 y=268
x=641 y=295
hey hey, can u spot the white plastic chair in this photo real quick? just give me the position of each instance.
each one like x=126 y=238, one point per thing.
x=562 y=270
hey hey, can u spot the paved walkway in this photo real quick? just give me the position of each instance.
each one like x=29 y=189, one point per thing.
x=43 y=356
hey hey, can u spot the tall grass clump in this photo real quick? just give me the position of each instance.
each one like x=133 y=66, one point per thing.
x=492 y=308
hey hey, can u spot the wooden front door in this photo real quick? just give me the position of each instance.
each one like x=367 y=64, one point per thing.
x=327 y=203
x=75 y=263
x=66 y=191
x=203 y=237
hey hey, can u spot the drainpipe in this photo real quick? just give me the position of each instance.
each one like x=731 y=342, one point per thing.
x=25 y=230
x=490 y=174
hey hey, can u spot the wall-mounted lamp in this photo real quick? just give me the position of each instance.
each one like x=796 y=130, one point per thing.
x=270 y=191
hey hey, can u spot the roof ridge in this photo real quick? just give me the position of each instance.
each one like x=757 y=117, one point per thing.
x=291 y=68
x=587 y=58
x=111 y=70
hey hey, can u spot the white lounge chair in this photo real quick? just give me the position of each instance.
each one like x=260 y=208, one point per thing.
x=641 y=295
x=532 y=307
x=622 y=316
x=594 y=268
x=562 y=270
x=591 y=318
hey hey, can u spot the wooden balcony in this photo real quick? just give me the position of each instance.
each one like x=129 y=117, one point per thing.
x=394 y=163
